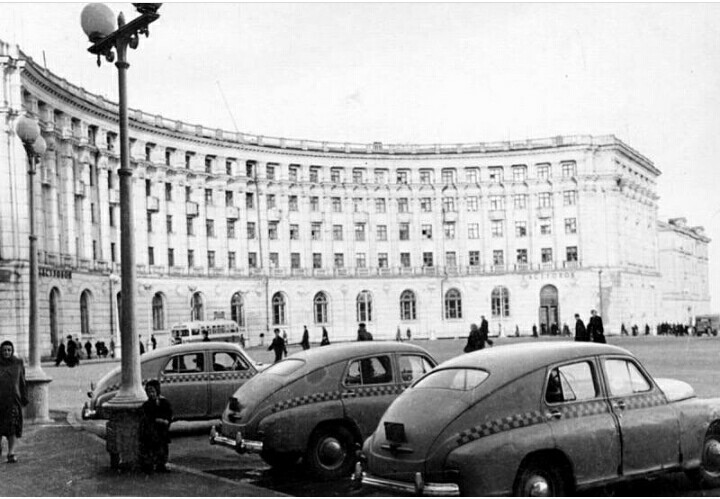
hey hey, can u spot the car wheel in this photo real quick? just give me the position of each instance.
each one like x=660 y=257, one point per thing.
x=540 y=480
x=279 y=459
x=330 y=453
x=708 y=475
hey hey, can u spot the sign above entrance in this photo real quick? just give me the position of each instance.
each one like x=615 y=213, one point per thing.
x=57 y=273
x=550 y=275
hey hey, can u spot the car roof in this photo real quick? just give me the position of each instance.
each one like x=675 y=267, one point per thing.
x=188 y=347
x=329 y=354
x=528 y=356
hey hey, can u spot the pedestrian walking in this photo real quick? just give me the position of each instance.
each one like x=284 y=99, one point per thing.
x=305 y=343
x=242 y=340
x=13 y=397
x=398 y=335
x=78 y=349
x=408 y=333
x=325 y=337
x=484 y=328
x=88 y=349
x=581 y=333
x=60 y=356
x=140 y=342
x=153 y=341
x=112 y=348
x=623 y=330
x=473 y=340
x=154 y=429
x=517 y=330
x=363 y=334
x=566 y=329
x=534 y=331
x=278 y=346
x=71 y=355
x=595 y=329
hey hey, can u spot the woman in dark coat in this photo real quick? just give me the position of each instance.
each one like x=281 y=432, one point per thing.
x=13 y=396
x=325 y=338
x=305 y=343
x=155 y=429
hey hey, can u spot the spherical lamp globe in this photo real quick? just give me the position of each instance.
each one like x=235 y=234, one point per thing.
x=27 y=129
x=97 y=21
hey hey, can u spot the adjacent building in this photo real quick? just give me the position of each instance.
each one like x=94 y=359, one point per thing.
x=275 y=232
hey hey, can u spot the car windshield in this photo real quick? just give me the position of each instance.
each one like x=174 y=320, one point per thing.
x=285 y=367
x=453 y=379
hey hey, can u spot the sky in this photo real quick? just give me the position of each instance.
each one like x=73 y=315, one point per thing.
x=426 y=73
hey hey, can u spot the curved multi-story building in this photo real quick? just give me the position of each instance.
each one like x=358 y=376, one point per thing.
x=276 y=232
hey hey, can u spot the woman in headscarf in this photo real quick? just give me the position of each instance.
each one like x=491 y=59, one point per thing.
x=13 y=396
x=155 y=429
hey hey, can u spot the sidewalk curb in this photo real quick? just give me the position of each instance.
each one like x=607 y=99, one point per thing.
x=99 y=435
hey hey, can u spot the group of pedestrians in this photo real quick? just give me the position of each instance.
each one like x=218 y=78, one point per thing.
x=478 y=337
x=279 y=342
x=71 y=353
x=593 y=332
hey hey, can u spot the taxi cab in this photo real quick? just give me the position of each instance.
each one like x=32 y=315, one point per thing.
x=540 y=419
x=320 y=404
x=197 y=379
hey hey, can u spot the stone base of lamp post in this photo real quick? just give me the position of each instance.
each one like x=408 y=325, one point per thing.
x=38 y=408
x=122 y=437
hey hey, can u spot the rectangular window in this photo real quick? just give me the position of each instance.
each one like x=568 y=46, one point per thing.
x=381 y=177
x=472 y=203
x=360 y=260
x=292 y=203
x=449 y=230
x=250 y=169
x=230 y=228
x=191 y=258
x=148 y=187
x=545 y=200
x=252 y=260
x=495 y=174
x=188 y=193
x=231 y=259
x=111 y=212
x=251 y=230
x=546 y=255
x=380 y=205
x=426 y=205
x=190 y=228
x=521 y=256
x=382 y=260
x=427 y=259
x=211 y=259
x=293 y=173
x=336 y=175
x=168 y=191
x=426 y=177
x=520 y=201
x=270 y=172
x=404 y=232
x=402 y=205
x=249 y=201
x=448 y=176
x=520 y=229
x=360 y=232
x=448 y=204
x=426 y=231
x=339 y=260
x=295 y=260
x=171 y=257
x=382 y=232
x=229 y=198
x=314 y=175
x=496 y=228
x=569 y=198
x=270 y=201
x=316 y=231
x=337 y=205
x=188 y=160
x=317 y=260
x=208 y=164
x=314 y=203
x=545 y=228
x=294 y=232
x=208 y=197
x=571 y=254
x=112 y=253
x=168 y=224
x=570 y=226
x=498 y=257
x=473 y=231
x=519 y=173
x=358 y=176
x=229 y=171
x=474 y=258
x=337 y=232
x=405 y=260
x=569 y=169
x=472 y=175
x=151 y=255
x=358 y=205
x=497 y=202
x=402 y=177
x=210 y=228
x=272 y=230
x=450 y=259
x=274 y=260
x=543 y=171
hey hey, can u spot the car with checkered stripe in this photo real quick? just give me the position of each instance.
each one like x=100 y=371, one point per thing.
x=320 y=404
x=197 y=379
x=540 y=419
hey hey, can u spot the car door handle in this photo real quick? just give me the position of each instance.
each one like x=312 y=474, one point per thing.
x=348 y=393
x=554 y=414
x=619 y=404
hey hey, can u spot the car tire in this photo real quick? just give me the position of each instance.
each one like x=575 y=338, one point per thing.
x=330 y=452
x=279 y=459
x=540 y=480
x=708 y=475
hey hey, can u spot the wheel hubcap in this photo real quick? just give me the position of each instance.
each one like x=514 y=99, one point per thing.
x=331 y=453
x=711 y=456
x=538 y=486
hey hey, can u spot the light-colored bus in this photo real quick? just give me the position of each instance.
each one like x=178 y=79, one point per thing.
x=217 y=330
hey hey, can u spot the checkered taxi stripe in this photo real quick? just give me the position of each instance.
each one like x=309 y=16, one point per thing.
x=191 y=377
x=572 y=411
x=359 y=392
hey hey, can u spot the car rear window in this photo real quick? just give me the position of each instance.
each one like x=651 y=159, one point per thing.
x=453 y=379
x=285 y=367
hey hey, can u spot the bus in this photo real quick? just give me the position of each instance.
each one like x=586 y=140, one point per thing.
x=217 y=330
x=707 y=324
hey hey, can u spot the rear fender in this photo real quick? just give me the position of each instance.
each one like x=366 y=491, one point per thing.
x=289 y=430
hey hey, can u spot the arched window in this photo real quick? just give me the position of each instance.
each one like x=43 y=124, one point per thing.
x=158 y=312
x=197 y=312
x=364 y=306
x=453 y=304
x=85 y=312
x=278 y=309
x=407 y=306
x=320 y=305
x=500 y=301
x=237 y=309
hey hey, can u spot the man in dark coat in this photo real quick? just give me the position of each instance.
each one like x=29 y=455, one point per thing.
x=88 y=349
x=364 y=334
x=278 y=346
x=305 y=343
x=60 y=356
x=595 y=328
x=325 y=338
x=155 y=429
x=71 y=353
x=581 y=334
x=484 y=329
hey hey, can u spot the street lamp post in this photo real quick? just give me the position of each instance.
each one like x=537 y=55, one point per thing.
x=38 y=410
x=123 y=427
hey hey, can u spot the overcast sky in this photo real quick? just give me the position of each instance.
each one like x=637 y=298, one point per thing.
x=426 y=73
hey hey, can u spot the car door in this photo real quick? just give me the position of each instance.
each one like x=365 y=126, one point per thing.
x=648 y=424
x=228 y=371
x=368 y=387
x=581 y=420
x=184 y=382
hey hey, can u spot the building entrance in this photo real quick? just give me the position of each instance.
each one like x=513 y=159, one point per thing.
x=549 y=312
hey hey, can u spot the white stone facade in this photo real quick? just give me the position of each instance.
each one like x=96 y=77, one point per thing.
x=454 y=224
